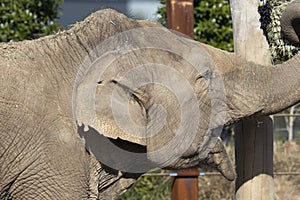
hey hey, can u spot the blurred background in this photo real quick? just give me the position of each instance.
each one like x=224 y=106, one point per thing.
x=76 y=10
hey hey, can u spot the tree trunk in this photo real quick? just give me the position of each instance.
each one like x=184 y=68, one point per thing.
x=254 y=136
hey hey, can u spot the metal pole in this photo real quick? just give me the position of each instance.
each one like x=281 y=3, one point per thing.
x=180 y=17
x=185 y=185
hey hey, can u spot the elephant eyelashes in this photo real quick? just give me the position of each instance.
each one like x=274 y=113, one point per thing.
x=199 y=77
x=204 y=75
x=115 y=82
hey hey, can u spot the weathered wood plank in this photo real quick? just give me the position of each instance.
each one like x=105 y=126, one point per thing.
x=253 y=161
x=254 y=136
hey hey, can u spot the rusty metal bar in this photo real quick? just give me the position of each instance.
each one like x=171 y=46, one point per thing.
x=180 y=16
x=172 y=174
x=185 y=185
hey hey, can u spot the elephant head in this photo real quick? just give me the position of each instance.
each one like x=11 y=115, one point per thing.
x=86 y=111
x=140 y=98
x=290 y=22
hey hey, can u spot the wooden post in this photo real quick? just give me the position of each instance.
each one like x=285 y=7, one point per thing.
x=254 y=161
x=254 y=136
x=180 y=17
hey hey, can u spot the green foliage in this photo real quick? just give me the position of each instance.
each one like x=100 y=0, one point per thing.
x=28 y=19
x=213 y=24
x=149 y=188
x=162 y=13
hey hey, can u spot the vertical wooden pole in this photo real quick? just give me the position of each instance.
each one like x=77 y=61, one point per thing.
x=180 y=17
x=254 y=161
x=254 y=136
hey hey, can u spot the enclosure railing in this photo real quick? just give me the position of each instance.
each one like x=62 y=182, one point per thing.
x=172 y=174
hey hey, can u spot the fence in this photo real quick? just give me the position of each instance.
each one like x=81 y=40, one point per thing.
x=201 y=174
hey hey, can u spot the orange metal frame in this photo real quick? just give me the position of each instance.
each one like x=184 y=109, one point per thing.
x=180 y=17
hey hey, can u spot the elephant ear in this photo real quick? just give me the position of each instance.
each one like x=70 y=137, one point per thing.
x=290 y=22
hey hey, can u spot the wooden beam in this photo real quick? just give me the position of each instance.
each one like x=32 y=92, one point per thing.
x=253 y=136
x=249 y=40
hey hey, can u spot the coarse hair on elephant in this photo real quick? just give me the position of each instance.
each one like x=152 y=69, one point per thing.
x=86 y=111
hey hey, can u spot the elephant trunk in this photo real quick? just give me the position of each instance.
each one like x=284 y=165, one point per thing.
x=253 y=89
x=268 y=90
x=284 y=87
x=219 y=160
x=290 y=22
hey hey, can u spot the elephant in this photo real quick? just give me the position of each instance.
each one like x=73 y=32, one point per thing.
x=276 y=28
x=290 y=22
x=86 y=111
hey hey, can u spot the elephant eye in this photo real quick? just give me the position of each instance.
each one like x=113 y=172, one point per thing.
x=207 y=74
x=99 y=82
x=199 y=77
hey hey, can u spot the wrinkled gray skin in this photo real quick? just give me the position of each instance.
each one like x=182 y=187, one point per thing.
x=42 y=154
x=290 y=22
